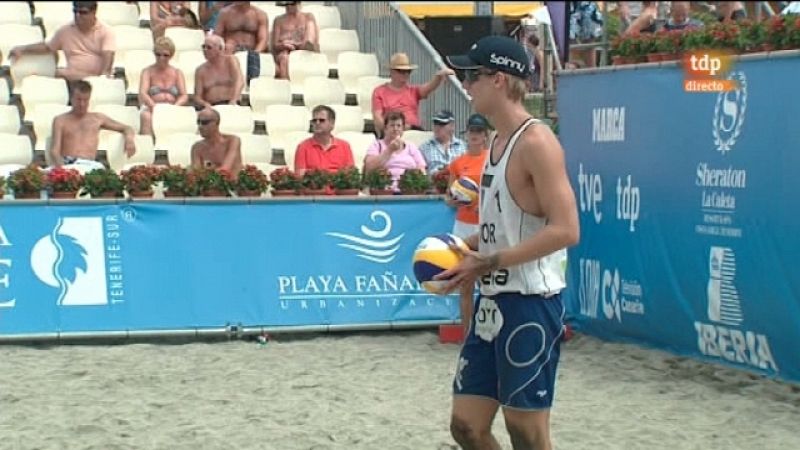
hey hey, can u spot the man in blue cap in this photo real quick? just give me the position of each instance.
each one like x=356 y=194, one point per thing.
x=444 y=146
x=527 y=219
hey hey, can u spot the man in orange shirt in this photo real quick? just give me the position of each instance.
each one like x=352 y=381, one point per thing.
x=88 y=45
x=322 y=150
x=470 y=164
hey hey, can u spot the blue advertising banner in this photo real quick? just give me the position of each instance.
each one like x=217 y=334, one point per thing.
x=687 y=210
x=166 y=266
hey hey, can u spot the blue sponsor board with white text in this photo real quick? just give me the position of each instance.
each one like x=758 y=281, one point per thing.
x=687 y=206
x=160 y=266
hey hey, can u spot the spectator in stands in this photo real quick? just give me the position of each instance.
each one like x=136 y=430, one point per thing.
x=89 y=45
x=730 y=11
x=245 y=28
x=76 y=133
x=790 y=8
x=470 y=165
x=628 y=11
x=679 y=18
x=160 y=83
x=209 y=13
x=391 y=152
x=536 y=57
x=216 y=150
x=294 y=30
x=219 y=80
x=585 y=26
x=322 y=150
x=646 y=22
x=440 y=150
x=167 y=14
x=399 y=95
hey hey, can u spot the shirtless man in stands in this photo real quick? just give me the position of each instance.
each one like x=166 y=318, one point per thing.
x=244 y=28
x=217 y=150
x=76 y=133
x=294 y=30
x=219 y=80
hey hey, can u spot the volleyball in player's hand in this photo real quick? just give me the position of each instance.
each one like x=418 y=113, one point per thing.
x=464 y=191
x=433 y=256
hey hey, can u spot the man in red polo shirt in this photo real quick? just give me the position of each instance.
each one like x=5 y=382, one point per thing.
x=322 y=150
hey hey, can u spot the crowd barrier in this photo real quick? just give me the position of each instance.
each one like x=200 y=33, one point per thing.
x=687 y=201
x=98 y=269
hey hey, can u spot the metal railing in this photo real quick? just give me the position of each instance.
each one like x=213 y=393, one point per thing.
x=384 y=29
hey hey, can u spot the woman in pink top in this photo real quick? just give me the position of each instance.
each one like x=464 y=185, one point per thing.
x=391 y=152
x=160 y=83
x=400 y=95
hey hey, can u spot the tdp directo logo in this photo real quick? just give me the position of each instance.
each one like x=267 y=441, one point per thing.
x=72 y=259
x=706 y=71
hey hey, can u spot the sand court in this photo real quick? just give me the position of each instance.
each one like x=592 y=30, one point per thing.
x=387 y=390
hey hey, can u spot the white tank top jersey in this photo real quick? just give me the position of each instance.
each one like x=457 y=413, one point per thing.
x=504 y=224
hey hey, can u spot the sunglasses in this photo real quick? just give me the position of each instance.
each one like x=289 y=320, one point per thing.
x=319 y=120
x=203 y=122
x=81 y=12
x=472 y=75
x=403 y=71
x=206 y=47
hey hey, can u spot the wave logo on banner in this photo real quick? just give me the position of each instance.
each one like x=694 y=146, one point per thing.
x=71 y=258
x=729 y=114
x=374 y=245
x=723 y=297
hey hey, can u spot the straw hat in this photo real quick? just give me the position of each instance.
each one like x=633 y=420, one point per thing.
x=400 y=61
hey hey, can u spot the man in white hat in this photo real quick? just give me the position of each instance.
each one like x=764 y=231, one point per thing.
x=400 y=95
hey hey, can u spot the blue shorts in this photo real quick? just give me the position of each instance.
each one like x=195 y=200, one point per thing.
x=518 y=367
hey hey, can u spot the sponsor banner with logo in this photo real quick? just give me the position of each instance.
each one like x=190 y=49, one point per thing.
x=154 y=266
x=687 y=206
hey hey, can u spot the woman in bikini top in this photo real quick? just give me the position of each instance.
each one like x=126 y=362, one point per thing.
x=161 y=83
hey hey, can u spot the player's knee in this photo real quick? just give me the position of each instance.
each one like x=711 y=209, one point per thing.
x=525 y=436
x=467 y=434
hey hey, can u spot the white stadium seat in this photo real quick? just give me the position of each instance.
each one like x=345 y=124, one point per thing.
x=170 y=119
x=333 y=41
x=9 y=119
x=348 y=118
x=179 y=148
x=235 y=119
x=15 y=12
x=304 y=64
x=326 y=16
x=281 y=119
x=37 y=89
x=185 y=38
x=134 y=62
x=323 y=91
x=128 y=115
x=359 y=143
x=16 y=149
x=42 y=118
x=106 y=91
x=15 y=34
x=41 y=65
x=256 y=148
x=266 y=91
x=118 y=13
x=354 y=65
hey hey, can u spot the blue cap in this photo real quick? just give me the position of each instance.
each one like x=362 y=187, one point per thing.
x=499 y=53
x=477 y=121
x=444 y=117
